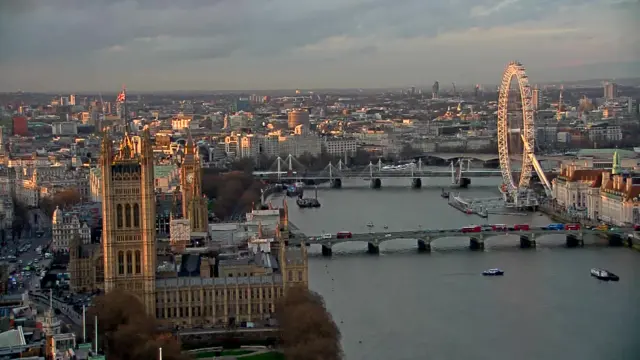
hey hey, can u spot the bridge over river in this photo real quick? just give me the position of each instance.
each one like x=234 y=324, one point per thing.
x=425 y=238
x=290 y=169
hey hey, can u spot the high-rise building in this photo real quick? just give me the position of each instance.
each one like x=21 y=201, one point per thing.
x=194 y=204
x=610 y=91
x=435 y=89
x=298 y=117
x=72 y=100
x=128 y=219
x=536 y=99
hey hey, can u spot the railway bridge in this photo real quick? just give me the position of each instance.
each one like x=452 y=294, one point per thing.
x=425 y=238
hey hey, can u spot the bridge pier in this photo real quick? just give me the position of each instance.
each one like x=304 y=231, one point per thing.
x=416 y=183
x=424 y=246
x=574 y=241
x=336 y=183
x=376 y=183
x=373 y=248
x=527 y=241
x=476 y=244
x=326 y=250
x=464 y=182
x=615 y=240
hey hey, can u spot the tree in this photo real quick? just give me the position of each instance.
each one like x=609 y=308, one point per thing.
x=233 y=192
x=127 y=332
x=63 y=199
x=307 y=329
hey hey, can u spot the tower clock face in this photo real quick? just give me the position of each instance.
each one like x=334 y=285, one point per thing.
x=190 y=178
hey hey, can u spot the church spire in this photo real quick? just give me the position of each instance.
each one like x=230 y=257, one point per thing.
x=616 y=168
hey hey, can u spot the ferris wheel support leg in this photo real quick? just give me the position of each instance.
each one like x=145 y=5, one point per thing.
x=538 y=168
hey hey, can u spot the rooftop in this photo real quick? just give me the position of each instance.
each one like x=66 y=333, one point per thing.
x=12 y=338
x=198 y=281
x=159 y=171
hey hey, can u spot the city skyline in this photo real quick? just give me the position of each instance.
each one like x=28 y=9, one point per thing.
x=238 y=45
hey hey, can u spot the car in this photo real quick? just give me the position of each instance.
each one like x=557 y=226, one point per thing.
x=636 y=227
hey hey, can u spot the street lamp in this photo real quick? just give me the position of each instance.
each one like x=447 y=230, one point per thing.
x=370 y=226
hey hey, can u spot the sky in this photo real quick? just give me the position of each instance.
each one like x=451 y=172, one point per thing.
x=153 y=45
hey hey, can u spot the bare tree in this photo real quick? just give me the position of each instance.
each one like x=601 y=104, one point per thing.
x=307 y=329
x=128 y=333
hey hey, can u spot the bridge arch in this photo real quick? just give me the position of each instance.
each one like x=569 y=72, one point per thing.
x=451 y=242
x=348 y=245
x=397 y=243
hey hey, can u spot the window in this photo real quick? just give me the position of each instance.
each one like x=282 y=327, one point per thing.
x=129 y=263
x=138 y=259
x=136 y=215
x=121 y=262
x=119 y=215
x=127 y=211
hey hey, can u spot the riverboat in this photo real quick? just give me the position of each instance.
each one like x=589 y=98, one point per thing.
x=308 y=203
x=493 y=272
x=604 y=275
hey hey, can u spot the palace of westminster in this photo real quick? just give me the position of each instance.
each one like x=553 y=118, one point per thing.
x=180 y=284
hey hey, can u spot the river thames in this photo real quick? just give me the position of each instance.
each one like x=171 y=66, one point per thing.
x=402 y=305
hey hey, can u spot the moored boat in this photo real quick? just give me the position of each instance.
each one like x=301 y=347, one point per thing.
x=605 y=275
x=444 y=194
x=308 y=203
x=493 y=272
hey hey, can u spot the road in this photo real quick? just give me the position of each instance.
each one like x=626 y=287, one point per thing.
x=28 y=280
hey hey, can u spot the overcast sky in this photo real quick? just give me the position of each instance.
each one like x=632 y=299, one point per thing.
x=76 y=45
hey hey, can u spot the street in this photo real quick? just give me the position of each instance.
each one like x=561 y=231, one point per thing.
x=25 y=280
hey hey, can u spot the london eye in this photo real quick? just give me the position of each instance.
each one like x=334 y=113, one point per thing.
x=516 y=133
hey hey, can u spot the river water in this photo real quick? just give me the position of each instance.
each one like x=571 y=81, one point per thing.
x=402 y=305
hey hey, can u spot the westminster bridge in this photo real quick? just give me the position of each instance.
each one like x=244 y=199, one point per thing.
x=425 y=238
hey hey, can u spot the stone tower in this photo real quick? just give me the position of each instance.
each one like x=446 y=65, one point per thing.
x=194 y=205
x=128 y=219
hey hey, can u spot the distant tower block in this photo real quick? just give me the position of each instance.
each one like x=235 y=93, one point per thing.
x=435 y=89
x=298 y=117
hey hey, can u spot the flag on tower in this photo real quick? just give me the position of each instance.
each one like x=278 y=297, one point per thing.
x=122 y=96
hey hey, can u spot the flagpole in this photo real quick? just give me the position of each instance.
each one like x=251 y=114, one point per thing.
x=126 y=123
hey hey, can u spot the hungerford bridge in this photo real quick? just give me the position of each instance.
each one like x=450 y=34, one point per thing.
x=425 y=238
x=290 y=169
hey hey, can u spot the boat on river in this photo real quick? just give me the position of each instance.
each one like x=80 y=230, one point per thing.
x=308 y=202
x=493 y=272
x=444 y=194
x=605 y=275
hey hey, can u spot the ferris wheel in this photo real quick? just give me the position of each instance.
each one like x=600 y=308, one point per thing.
x=516 y=133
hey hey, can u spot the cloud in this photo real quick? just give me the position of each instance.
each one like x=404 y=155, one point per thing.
x=234 y=42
